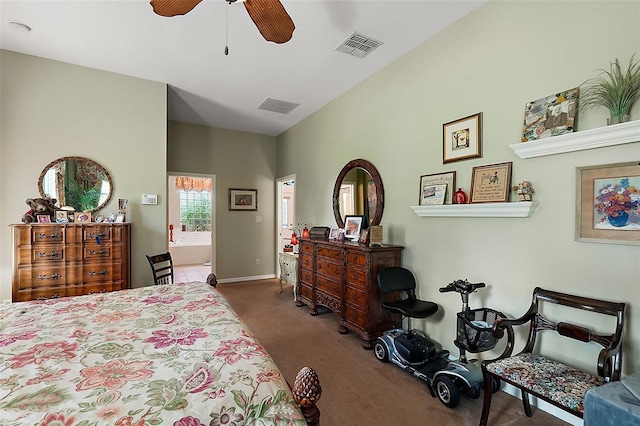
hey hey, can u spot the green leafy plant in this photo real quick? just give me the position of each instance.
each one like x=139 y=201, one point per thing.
x=616 y=89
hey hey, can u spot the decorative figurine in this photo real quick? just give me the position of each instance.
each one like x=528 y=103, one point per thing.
x=524 y=190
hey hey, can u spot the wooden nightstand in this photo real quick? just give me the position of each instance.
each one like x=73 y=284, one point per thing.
x=289 y=271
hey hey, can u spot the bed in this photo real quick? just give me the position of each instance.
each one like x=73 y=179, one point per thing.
x=163 y=355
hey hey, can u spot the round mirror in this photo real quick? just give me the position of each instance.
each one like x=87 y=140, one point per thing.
x=76 y=182
x=358 y=191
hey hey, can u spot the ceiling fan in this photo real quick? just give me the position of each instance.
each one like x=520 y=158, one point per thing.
x=272 y=20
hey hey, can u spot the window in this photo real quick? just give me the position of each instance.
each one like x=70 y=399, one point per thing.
x=195 y=210
x=285 y=213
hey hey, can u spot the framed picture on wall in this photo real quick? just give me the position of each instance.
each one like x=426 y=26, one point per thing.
x=608 y=203
x=462 y=139
x=552 y=115
x=243 y=199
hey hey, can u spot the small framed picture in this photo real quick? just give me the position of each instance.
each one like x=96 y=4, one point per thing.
x=333 y=234
x=123 y=204
x=99 y=218
x=83 y=217
x=462 y=139
x=552 y=115
x=352 y=226
x=44 y=218
x=120 y=218
x=433 y=194
x=62 y=216
x=375 y=235
x=491 y=184
x=437 y=178
x=364 y=236
x=243 y=199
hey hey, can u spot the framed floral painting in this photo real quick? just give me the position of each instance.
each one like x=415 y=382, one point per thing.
x=608 y=204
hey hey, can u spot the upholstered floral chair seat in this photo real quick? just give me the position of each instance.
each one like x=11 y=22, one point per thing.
x=558 y=382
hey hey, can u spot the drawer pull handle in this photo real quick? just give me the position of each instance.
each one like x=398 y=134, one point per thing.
x=94 y=252
x=55 y=276
x=354 y=297
x=53 y=236
x=94 y=273
x=354 y=317
x=53 y=254
x=92 y=235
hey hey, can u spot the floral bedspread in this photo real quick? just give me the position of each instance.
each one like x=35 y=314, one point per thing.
x=164 y=355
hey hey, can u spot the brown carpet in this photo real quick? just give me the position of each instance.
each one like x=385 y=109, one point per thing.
x=357 y=388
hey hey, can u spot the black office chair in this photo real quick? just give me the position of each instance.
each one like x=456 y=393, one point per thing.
x=398 y=292
x=162 y=268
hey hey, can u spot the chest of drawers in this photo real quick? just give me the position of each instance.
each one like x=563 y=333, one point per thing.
x=343 y=277
x=57 y=260
x=289 y=270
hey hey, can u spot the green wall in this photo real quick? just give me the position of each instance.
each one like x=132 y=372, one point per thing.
x=493 y=61
x=52 y=109
x=239 y=160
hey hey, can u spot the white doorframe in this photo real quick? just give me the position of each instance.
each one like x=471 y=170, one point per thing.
x=292 y=220
x=214 y=195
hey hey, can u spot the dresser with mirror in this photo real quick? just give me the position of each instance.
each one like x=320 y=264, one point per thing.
x=64 y=258
x=342 y=275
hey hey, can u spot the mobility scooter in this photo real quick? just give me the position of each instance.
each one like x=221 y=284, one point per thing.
x=414 y=352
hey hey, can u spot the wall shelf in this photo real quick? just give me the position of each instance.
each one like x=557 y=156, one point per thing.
x=519 y=209
x=616 y=134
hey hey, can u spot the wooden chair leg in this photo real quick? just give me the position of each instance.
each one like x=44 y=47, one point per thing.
x=488 y=391
x=526 y=404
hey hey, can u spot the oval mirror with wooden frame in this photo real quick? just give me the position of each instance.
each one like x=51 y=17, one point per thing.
x=358 y=191
x=76 y=182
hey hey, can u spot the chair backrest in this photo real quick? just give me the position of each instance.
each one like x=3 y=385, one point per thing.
x=162 y=268
x=395 y=279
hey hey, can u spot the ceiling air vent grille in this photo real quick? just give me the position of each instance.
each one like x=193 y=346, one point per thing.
x=358 y=45
x=275 y=105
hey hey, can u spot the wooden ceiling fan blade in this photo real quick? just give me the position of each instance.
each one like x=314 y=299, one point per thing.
x=272 y=20
x=173 y=7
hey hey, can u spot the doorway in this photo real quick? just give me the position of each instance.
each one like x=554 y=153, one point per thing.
x=191 y=201
x=285 y=214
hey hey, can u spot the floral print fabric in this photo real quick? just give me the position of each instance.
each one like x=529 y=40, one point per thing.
x=164 y=355
x=551 y=379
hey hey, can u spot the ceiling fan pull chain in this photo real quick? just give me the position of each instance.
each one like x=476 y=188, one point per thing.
x=226 y=31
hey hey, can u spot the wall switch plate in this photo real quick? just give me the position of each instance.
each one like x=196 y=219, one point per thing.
x=149 y=198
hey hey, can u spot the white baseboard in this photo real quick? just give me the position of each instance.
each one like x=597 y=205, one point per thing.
x=254 y=278
x=543 y=405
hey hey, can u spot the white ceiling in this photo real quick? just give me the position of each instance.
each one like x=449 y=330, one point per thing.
x=187 y=52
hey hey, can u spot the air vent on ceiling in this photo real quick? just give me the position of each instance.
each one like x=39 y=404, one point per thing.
x=275 y=105
x=358 y=45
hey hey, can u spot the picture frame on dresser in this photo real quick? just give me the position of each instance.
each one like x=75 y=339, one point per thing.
x=44 y=218
x=352 y=226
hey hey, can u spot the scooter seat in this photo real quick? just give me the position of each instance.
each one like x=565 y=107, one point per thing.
x=413 y=308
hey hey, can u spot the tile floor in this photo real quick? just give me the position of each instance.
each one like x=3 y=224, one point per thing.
x=189 y=273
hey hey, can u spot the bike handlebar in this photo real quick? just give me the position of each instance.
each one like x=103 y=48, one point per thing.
x=460 y=286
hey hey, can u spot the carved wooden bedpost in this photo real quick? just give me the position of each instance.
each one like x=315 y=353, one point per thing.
x=307 y=391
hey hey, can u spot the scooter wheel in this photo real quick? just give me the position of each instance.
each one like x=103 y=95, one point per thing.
x=447 y=391
x=380 y=350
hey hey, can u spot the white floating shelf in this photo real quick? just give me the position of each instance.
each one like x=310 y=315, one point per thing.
x=616 y=134
x=519 y=209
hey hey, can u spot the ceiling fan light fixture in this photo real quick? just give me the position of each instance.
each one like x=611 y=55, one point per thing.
x=358 y=45
x=276 y=105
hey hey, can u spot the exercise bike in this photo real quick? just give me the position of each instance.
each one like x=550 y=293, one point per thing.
x=414 y=352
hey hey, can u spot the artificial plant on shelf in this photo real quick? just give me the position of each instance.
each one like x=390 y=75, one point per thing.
x=616 y=89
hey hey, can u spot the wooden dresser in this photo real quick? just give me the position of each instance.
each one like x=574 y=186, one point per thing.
x=342 y=276
x=57 y=260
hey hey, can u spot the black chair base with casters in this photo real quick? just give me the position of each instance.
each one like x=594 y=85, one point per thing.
x=162 y=268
